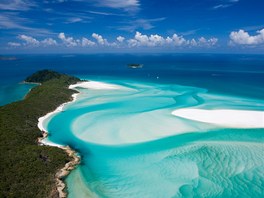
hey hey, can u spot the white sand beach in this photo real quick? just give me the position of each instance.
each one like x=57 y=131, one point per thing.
x=43 y=118
x=87 y=85
x=224 y=117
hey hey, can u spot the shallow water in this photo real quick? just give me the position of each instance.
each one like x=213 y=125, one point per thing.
x=13 y=92
x=132 y=146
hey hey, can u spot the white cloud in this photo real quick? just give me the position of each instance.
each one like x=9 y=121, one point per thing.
x=74 y=20
x=13 y=44
x=174 y=41
x=151 y=41
x=120 y=39
x=11 y=20
x=49 y=42
x=87 y=42
x=6 y=22
x=29 y=40
x=132 y=43
x=68 y=41
x=156 y=40
x=177 y=40
x=225 y=4
x=128 y=5
x=16 y=5
x=144 y=24
x=139 y=40
x=221 y=6
x=212 y=41
x=243 y=38
x=207 y=42
x=33 y=42
x=143 y=40
x=193 y=42
x=105 y=13
x=100 y=40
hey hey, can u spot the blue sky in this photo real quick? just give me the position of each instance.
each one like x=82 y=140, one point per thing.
x=92 y=26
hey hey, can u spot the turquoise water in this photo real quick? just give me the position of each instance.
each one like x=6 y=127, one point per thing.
x=132 y=146
x=13 y=92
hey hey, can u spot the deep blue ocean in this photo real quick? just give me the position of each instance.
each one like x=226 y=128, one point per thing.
x=184 y=125
x=221 y=73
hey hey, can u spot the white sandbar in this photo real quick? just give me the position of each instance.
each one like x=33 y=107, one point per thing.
x=224 y=117
x=94 y=85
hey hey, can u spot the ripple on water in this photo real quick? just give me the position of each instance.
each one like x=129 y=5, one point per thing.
x=133 y=147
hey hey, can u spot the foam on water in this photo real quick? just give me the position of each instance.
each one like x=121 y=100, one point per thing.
x=133 y=146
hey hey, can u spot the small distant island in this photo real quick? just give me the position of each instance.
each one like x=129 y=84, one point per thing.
x=27 y=169
x=8 y=58
x=135 y=65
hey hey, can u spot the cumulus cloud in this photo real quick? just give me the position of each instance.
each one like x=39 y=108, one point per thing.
x=100 y=40
x=120 y=39
x=155 y=40
x=87 y=42
x=207 y=42
x=29 y=40
x=33 y=42
x=68 y=41
x=49 y=42
x=13 y=44
x=138 y=40
x=242 y=37
x=175 y=40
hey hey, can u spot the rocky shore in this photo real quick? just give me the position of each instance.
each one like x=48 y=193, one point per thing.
x=63 y=172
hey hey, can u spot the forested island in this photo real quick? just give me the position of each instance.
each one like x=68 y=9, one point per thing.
x=27 y=169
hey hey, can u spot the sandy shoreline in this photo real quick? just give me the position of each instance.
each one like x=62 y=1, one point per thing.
x=58 y=109
x=62 y=173
x=33 y=83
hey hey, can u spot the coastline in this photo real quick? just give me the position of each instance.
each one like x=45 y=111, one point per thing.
x=63 y=172
x=212 y=116
x=30 y=83
x=20 y=134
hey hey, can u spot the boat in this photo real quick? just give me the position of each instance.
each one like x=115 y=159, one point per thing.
x=135 y=66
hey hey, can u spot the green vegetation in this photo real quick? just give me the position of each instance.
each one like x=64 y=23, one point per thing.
x=135 y=65
x=46 y=75
x=28 y=170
